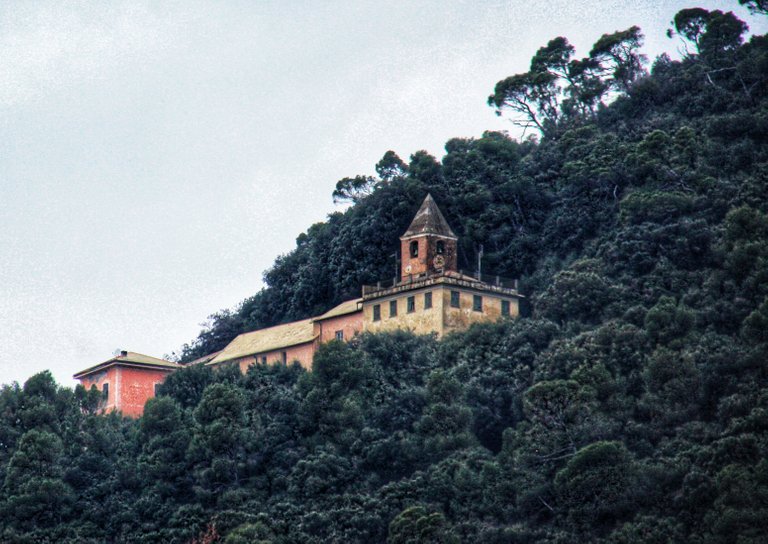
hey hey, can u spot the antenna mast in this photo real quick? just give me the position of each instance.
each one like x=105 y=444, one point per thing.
x=479 y=262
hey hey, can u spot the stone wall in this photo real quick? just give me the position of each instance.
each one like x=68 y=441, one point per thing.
x=455 y=319
x=420 y=321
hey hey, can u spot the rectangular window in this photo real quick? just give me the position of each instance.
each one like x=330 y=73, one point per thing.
x=411 y=304
x=263 y=359
x=157 y=388
x=392 y=308
x=477 y=303
x=427 y=300
x=105 y=391
x=505 y=308
x=340 y=335
x=376 y=312
x=284 y=357
x=455 y=301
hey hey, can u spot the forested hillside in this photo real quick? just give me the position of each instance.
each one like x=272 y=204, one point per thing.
x=629 y=405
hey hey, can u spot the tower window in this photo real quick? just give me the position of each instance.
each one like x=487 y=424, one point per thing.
x=411 y=304
x=414 y=248
x=427 y=300
x=477 y=303
x=455 y=300
x=392 y=308
x=377 y=312
x=339 y=335
x=505 y=308
x=440 y=247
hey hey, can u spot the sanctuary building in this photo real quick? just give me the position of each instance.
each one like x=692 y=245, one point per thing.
x=430 y=296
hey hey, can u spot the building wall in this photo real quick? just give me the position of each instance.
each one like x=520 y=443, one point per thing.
x=349 y=324
x=455 y=319
x=302 y=353
x=98 y=379
x=137 y=386
x=129 y=388
x=420 y=321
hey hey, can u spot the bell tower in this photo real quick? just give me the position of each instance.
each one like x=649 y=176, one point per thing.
x=429 y=245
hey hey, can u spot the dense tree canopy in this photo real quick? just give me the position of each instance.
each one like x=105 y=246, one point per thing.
x=629 y=405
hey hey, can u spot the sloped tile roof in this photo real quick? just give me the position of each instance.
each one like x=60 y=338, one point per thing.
x=203 y=359
x=263 y=340
x=346 y=307
x=132 y=359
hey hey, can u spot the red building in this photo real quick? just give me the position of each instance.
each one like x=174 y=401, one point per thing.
x=126 y=381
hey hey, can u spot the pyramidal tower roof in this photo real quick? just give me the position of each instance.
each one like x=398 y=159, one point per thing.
x=429 y=220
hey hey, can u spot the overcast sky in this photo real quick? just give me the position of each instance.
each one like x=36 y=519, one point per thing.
x=155 y=157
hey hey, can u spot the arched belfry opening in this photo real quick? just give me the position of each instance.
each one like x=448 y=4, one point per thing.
x=414 y=249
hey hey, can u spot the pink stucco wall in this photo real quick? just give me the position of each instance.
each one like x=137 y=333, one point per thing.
x=137 y=386
x=349 y=324
x=129 y=388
